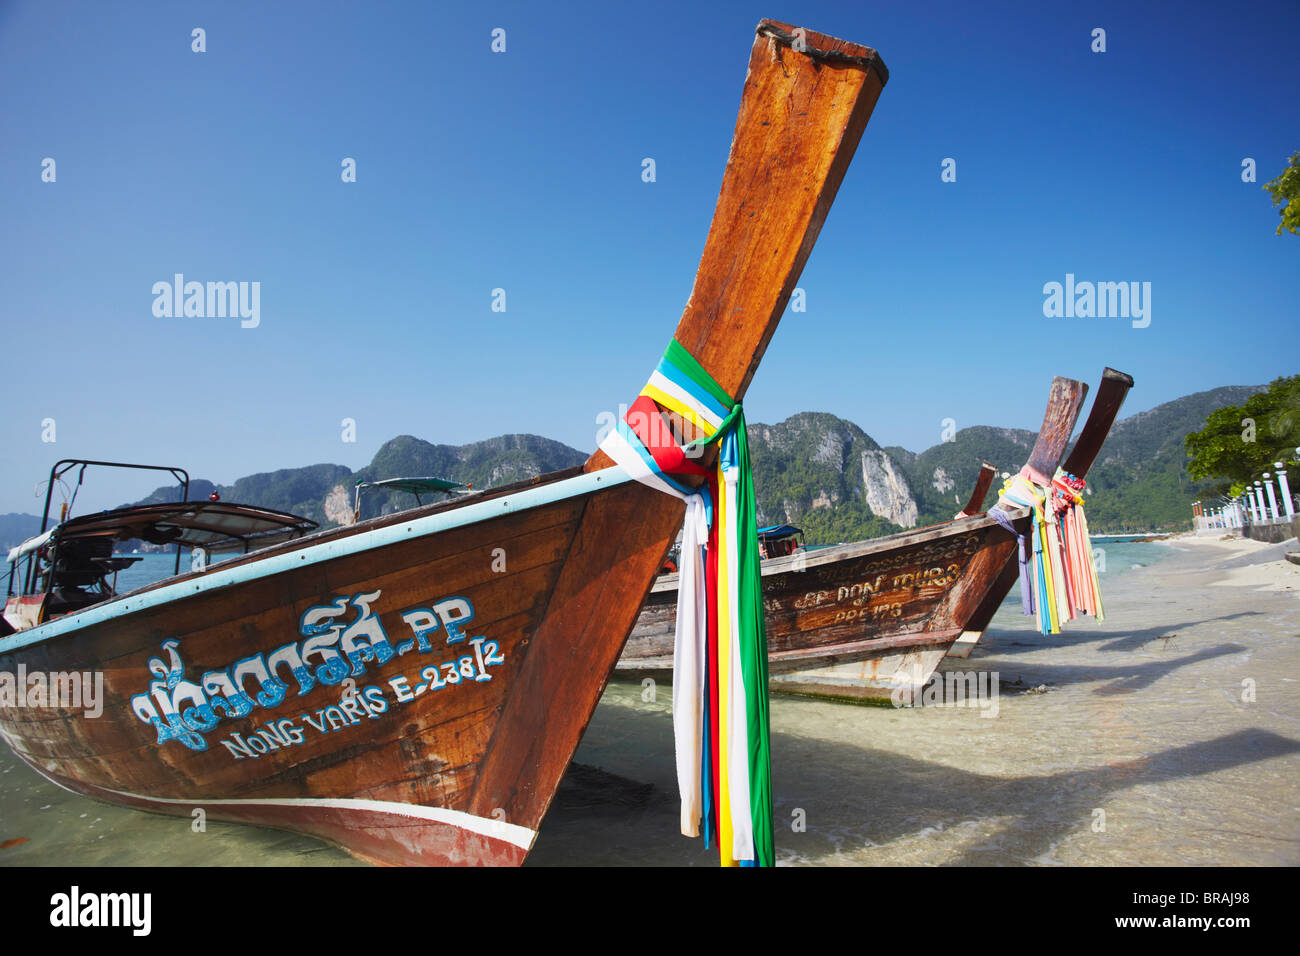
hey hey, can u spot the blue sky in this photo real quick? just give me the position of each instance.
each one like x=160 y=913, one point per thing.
x=522 y=170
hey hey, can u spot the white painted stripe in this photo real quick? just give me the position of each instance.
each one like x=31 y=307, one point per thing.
x=633 y=463
x=513 y=833
x=219 y=577
x=497 y=829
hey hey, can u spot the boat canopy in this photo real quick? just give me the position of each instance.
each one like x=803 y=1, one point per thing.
x=779 y=531
x=416 y=486
x=215 y=526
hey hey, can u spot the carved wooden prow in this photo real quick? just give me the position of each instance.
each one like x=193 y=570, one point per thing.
x=982 y=484
x=801 y=117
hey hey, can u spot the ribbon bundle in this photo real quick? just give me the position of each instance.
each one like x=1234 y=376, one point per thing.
x=720 y=709
x=1084 y=591
x=1058 y=580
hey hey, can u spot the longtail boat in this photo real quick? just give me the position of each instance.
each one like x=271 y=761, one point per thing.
x=412 y=687
x=873 y=618
x=1113 y=390
x=650 y=648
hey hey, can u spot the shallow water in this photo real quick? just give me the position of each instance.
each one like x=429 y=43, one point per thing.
x=1116 y=557
x=1125 y=741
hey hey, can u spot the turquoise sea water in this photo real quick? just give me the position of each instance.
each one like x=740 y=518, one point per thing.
x=1116 y=556
x=150 y=568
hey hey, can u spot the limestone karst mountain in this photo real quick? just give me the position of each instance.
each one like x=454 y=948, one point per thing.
x=815 y=470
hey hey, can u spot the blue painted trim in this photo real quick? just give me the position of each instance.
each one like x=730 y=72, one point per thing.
x=326 y=551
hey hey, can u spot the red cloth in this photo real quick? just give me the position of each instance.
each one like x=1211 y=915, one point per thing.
x=646 y=422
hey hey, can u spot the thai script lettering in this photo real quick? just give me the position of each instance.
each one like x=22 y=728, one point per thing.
x=338 y=642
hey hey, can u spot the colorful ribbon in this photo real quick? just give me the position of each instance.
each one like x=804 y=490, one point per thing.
x=1058 y=580
x=1026 y=592
x=720 y=707
x=1067 y=502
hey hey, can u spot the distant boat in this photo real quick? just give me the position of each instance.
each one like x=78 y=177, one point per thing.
x=779 y=541
x=412 y=687
x=871 y=618
x=775 y=541
x=412 y=486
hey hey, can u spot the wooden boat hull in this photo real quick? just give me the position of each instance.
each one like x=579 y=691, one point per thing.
x=840 y=612
x=475 y=636
x=432 y=788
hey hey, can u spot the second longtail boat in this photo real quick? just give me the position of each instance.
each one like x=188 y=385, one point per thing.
x=873 y=619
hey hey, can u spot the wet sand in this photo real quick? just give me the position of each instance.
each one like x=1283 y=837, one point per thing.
x=1134 y=740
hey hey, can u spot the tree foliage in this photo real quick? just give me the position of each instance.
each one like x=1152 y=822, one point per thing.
x=1240 y=441
x=1285 y=191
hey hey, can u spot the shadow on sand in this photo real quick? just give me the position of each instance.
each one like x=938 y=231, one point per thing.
x=855 y=797
x=1123 y=678
x=1005 y=642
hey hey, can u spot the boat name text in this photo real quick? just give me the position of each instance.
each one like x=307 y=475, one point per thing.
x=333 y=650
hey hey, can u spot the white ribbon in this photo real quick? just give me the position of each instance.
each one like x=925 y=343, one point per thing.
x=691 y=635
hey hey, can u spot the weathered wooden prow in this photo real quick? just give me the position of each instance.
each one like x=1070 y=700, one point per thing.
x=1105 y=407
x=806 y=102
x=982 y=485
x=1063 y=407
x=801 y=116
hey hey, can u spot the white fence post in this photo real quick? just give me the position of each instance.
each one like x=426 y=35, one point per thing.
x=1285 y=488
